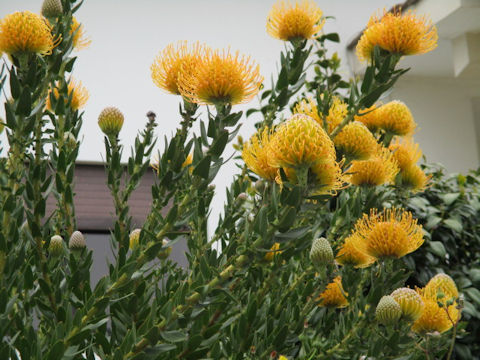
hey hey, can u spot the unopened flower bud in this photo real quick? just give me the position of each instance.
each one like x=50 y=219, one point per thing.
x=110 y=121
x=260 y=186
x=52 y=8
x=321 y=252
x=164 y=252
x=410 y=302
x=70 y=140
x=134 y=238
x=388 y=311
x=77 y=241
x=241 y=197
x=55 y=249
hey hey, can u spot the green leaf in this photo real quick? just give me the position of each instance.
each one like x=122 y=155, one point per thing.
x=203 y=167
x=24 y=106
x=282 y=81
x=56 y=351
x=334 y=37
x=173 y=336
x=450 y=198
x=474 y=294
x=219 y=144
x=438 y=248
x=368 y=79
x=453 y=224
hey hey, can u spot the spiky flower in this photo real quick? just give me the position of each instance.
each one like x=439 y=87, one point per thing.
x=410 y=302
x=55 y=248
x=172 y=60
x=80 y=39
x=369 y=117
x=337 y=112
x=321 y=253
x=396 y=119
x=274 y=251
x=350 y=255
x=441 y=284
x=413 y=178
x=220 y=78
x=110 y=121
x=52 y=8
x=378 y=170
x=287 y=21
x=25 y=32
x=388 y=311
x=76 y=91
x=77 y=241
x=391 y=233
x=134 y=238
x=356 y=142
x=405 y=152
x=397 y=33
x=328 y=178
x=256 y=153
x=334 y=295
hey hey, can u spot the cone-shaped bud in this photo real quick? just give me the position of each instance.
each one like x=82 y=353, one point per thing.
x=321 y=252
x=70 y=140
x=55 y=248
x=77 y=241
x=134 y=238
x=110 y=121
x=52 y=8
x=165 y=252
x=410 y=302
x=388 y=311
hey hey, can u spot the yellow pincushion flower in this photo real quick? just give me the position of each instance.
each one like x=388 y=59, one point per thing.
x=80 y=40
x=337 y=112
x=328 y=178
x=356 y=142
x=410 y=302
x=110 y=121
x=287 y=21
x=256 y=153
x=434 y=317
x=334 y=295
x=78 y=93
x=350 y=255
x=269 y=256
x=397 y=33
x=391 y=233
x=406 y=153
x=369 y=117
x=395 y=118
x=444 y=284
x=413 y=178
x=221 y=77
x=171 y=61
x=300 y=143
x=378 y=170
x=26 y=32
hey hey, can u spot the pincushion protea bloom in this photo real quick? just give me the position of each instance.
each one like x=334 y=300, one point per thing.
x=397 y=33
x=392 y=233
x=26 y=32
x=405 y=152
x=388 y=311
x=356 y=142
x=173 y=59
x=80 y=40
x=220 y=77
x=256 y=153
x=328 y=178
x=350 y=255
x=334 y=295
x=110 y=121
x=369 y=117
x=413 y=178
x=395 y=118
x=337 y=112
x=378 y=170
x=78 y=93
x=287 y=21
x=443 y=284
x=410 y=302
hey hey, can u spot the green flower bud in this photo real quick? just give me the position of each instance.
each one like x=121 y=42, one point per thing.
x=321 y=252
x=70 y=140
x=110 y=121
x=388 y=311
x=134 y=238
x=52 y=8
x=55 y=248
x=77 y=241
x=165 y=251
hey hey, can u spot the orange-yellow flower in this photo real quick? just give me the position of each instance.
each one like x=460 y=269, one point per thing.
x=413 y=179
x=406 y=153
x=397 y=33
x=350 y=255
x=395 y=118
x=171 y=61
x=328 y=178
x=378 y=170
x=391 y=233
x=256 y=153
x=369 y=117
x=26 y=32
x=287 y=21
x=410 y=302
x=274 y=252
x=334 y=295
x=78 y=93
x=80 y=40
x=356 y=142
x=337 y=112
x=443 y=284
x=221 y=77
x=435 y=318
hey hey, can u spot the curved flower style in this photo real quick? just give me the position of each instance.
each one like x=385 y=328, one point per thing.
x=173 y=59
x=256 y=153
x=334 y=295
x=328 y=178
x=80 y=39
x=78 y=93
x=378 y=170
x=414 y=179
x=392 y=233
x=356 y=142
x=397 y=33
x=221 y=77
x=369 y=117
x=26 y=32
x=300 y=21
x=410 y=302
x=350 y=255
x=406 y=153
x=395 y=118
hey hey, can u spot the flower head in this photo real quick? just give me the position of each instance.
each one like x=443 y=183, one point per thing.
x=410 y=302
x=337 y=112
x=350 y=255
x=356 y=142
x=321 y=252
x=287 y=21
x=26 y=32
x=220 y=77
x=395 y=118
x=80 y=40
x=434 y=317
x=256 y=153
x=173 y=59
x=334 y=295
x=378 y=170
x=388 y=311
x=110 y=121
x=413 y=178
x=327 y=178
x=55 y=248
x=441 y=284
x=77 y=241
x=274 y=251
x=391 y=233
x=76 y=91
x=52 y=8
x=397 y=33
x=405 y=152
x=369 y=117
